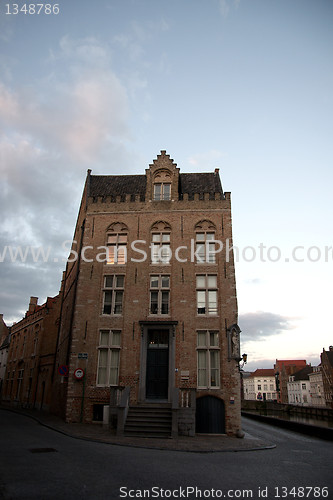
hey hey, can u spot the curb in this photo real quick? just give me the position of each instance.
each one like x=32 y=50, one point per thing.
x=137 y=445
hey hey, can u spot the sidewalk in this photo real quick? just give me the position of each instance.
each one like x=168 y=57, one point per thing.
x=98 y=433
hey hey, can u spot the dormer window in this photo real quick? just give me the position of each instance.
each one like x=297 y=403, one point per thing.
x=162 y=191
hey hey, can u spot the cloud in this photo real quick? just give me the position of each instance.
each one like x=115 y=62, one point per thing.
x=225 y=5
x=207 y=159
x=260 y=325
x=76 y=117
x=8 y=103
x=88 y=112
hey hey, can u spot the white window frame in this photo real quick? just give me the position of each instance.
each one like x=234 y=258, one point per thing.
x=206 y=291
x=205 y=247
x=207 y=351
x=113 y=291
x=108 y=358
x=160 y=247
x=116 y=249
x=164 y=191
x=161 y=291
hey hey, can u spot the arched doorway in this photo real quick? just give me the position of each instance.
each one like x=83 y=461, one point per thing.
x=210 y=415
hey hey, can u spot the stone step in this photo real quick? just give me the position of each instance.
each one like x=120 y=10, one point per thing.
x=149 y=421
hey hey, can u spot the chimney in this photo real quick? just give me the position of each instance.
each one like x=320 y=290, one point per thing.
x=32 y=304
x=217 y=171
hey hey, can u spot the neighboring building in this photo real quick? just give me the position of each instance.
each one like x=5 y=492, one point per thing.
x=4 y=346
x=317 y=387
x=244 y=375
x=160 y=329
x=326 y=358
x=260 y=385
x=31 y=356
x=298 y=387
x=283 y=368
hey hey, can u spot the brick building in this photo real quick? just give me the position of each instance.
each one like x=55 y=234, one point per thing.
x=326 y=358
x=283 y=369
x=4 y=347
x=149 y=307
x=317 y=394
x=31 y=356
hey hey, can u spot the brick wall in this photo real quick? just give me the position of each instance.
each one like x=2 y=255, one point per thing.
x=82 y=317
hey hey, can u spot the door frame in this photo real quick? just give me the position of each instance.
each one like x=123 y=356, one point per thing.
x=170 y=327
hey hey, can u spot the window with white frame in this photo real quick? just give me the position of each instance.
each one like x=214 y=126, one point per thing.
x=159 y=294
x=108 y=357
x=162 y=191
x=117 y=249
x=160 y=249
x=208 y=355
x=19 y=383
x=205 y=247
x=113 y=293
x=206 y=287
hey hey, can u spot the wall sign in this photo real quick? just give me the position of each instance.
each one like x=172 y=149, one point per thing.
x=79 y=374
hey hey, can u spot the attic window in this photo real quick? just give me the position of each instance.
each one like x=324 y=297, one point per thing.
x=162 y=191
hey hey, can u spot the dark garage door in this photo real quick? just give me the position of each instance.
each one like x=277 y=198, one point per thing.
x=210 y=415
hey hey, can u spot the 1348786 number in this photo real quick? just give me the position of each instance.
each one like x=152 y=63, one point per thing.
x=301 y=492
x=32 y=8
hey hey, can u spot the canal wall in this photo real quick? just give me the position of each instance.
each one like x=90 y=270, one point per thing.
x=321 y=413
x=257 y=410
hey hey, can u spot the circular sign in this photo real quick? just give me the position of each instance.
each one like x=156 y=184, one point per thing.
x=63 y=370
x=79 y=374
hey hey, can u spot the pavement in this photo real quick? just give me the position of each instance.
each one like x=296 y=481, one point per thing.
x=99 y=433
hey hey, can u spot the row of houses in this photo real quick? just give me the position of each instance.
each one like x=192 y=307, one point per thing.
x=27 y=355
x=293 y=382
x=146 y=318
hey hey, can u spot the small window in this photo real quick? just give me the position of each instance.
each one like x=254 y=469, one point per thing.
x=98 y=410
x=117 y=249
x=206 y=294
x=205 y=247
x=162 y=191
x=159 y=294
x=208 y=359
x=160 y=248
x=113 y=293
x=108 y=357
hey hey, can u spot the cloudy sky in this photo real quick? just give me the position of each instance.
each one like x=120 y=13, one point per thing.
x=242 y=85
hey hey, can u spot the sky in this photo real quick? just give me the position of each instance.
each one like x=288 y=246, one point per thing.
x=240 y=85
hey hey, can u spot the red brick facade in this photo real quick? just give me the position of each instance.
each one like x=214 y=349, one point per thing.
x=31 y=355
x=117 y=317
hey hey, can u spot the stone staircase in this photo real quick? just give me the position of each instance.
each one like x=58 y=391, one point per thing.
x=149 y=421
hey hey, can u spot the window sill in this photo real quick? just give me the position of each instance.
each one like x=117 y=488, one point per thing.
x=207 y=315
x=207 y=388
x=111 y=315
x=159 y=315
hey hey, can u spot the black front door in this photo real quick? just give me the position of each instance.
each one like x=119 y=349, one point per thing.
x=157 y=364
